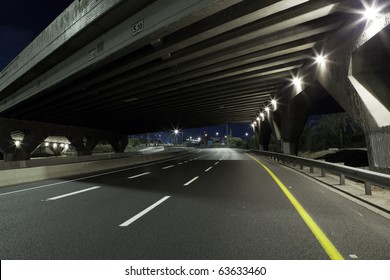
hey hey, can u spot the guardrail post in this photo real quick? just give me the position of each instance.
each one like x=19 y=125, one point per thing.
x=342 y=179
x=367 y=187
x=311 y=169
x=323 y=174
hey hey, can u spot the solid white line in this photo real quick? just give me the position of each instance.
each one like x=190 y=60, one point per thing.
x=186 y=161
x=140 y=214
x=180 y=163
x=72 y=193
x=139 y=175
x=208 y=169
x=190 y=181
x=169 y=166
x=216 y=163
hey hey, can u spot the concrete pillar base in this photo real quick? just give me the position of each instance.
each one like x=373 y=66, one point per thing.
x=288 y=148
x=119 y=145
x=378 y=147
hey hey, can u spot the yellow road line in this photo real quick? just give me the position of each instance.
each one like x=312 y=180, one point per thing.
x=329 y=248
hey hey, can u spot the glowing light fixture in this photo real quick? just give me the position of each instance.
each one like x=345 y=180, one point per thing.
x=267 y=109
x=371 y=13
x=176 y=131
x=262 y=116
x=17 y=143
x=320 y=59
x=55 y=145
x=297 y=81
x=258 y=119
x=46 y=144
x=274 y=104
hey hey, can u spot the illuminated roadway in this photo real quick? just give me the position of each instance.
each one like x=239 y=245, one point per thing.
x=209 y=204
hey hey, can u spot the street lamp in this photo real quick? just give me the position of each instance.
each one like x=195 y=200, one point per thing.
x=176 y=132
x=274 y=104
x=17 y=143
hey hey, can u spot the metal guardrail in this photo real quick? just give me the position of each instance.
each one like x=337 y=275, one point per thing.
x=365 y=176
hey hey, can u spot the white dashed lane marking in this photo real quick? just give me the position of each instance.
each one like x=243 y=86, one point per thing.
x=191 y=181
x=72 y=193
x=142 y=213
x=139 y=175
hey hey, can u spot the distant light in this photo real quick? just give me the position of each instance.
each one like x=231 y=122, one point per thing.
x=252 y=125
x=217 y=133
x=66 y=146
x=267 y=109
x=176 y=131
x=199 y=139
x=46 y=144
x=205 y=134
x=371 y=13
x=17 y=143
x=62 y=145
x=55 y=145
x=246 y=134
x=258 y=119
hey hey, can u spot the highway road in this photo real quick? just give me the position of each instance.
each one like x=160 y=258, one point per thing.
x=209 y=204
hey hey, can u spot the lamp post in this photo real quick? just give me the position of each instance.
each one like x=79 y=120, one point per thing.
x=176 y=132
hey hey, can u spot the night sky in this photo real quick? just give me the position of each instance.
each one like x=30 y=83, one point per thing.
x=23 y=20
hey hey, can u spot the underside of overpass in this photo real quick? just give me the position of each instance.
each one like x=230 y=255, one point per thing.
x=140 y=66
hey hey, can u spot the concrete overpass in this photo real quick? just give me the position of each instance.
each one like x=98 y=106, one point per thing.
x=138 y=66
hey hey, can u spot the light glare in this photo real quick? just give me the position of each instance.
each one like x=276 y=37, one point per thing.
x=320 y=59
x=297 y=81
x=371 y=13
x=274 y=104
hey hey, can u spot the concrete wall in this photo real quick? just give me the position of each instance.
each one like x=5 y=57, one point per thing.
x=31 y=174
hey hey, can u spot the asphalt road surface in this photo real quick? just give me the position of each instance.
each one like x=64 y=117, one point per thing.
x=209 y=204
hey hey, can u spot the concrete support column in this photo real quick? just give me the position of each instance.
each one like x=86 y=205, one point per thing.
x=257 y=136
x=78 y=143
x=293 y=119
x=84 y=144
x=378 y=146
x=119 y=144
x=7 y=145
x=31 y=141
x=357 y=78
x=265 y=135
x=289 y=148
x=91 y=143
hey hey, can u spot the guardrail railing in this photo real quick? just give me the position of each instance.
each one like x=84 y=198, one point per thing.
x=365 y=176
